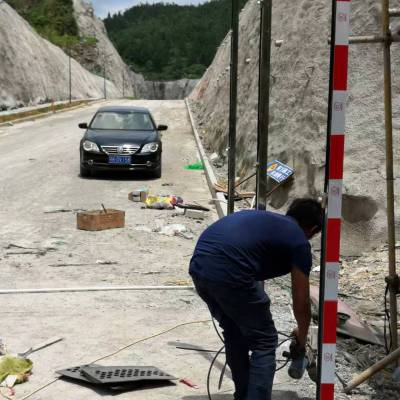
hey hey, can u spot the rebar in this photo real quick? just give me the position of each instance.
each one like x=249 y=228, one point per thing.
x=389 y=170
x=263 y=104
x=233 y=106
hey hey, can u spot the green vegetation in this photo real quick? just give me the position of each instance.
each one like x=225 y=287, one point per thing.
x=54 y=20
x=167 y=41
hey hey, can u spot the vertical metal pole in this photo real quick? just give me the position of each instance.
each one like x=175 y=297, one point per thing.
x=104 y=75
x=123 y=84
x=263 y=103
x=330 y=241
x=389 y=170
x=233 y=106
x=326 y=181
x=70 y=78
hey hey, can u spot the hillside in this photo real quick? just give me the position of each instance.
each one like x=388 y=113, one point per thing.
x=299 y=89
x=103 y=53
x=53 y=19
x=34 y=71
x=167 y=41
x=72 y=25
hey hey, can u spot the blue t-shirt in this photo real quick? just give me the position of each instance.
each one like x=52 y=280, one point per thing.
x=250 y=245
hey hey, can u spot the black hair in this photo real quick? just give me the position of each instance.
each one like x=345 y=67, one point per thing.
x=307 y=212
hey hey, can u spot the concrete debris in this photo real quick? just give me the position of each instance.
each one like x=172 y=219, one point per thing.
x=106 y=262
x=143 y=228
x=176 y=230
x=195 y=214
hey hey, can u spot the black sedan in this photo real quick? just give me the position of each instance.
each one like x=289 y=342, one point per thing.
x=121 y=138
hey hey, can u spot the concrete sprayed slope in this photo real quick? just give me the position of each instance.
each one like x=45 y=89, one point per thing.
x=299 y=89
x=33 y=70
x=116 y=70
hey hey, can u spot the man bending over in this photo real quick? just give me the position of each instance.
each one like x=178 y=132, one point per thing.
x=231 y=259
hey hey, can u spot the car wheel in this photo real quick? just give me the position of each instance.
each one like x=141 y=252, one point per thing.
x=85 y=172
x=158 y=172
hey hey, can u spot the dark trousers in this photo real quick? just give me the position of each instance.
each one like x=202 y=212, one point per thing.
x=244 y=315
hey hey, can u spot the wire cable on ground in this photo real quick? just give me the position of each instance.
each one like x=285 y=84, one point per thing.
x=119 y=350
x=220 y=351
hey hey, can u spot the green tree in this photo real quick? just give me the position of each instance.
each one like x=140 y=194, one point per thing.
x=167 y=41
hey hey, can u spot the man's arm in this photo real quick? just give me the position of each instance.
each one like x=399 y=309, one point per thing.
x=301 y=304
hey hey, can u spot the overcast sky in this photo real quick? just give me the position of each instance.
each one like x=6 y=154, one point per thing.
x=103 y=7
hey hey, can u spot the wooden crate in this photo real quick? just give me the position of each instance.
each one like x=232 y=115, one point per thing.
x=98 y=220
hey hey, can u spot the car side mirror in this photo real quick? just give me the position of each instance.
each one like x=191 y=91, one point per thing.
x=83 y=125
x=162 y=127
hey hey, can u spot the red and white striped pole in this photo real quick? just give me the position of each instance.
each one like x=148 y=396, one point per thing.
x=333 y=188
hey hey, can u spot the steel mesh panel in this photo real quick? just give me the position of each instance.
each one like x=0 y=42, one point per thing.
x=77 y=373
x=111 y=375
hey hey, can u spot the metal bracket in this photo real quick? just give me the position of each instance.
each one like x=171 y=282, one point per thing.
x=323 y=199
x=393 y=283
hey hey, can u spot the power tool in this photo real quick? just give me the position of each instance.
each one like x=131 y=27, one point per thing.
x=302 y=360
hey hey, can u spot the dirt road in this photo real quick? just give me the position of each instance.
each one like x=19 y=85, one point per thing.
x=41 y=247
x=40 y=174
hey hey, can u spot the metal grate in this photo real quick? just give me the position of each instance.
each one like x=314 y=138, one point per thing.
x=77 y=373
x=126 y=149
x=120 y=374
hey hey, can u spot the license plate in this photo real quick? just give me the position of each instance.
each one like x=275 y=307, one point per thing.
x=119 y=159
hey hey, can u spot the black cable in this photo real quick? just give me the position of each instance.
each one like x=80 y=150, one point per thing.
x=287 y=338
x=209 y=371
x=216 y=329
x=221 y=377
x=387 y=320
x=283 y=366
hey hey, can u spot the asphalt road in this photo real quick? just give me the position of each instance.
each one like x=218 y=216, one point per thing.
x=39 y=163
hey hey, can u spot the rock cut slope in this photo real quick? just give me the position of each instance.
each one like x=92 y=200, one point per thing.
x=32 y=70
x=299 y=91
x=128 y=82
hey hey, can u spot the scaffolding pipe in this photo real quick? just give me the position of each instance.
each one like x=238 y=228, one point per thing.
x=366 y=39
x=233 y=106
x=263 y=103
x=93 y=289
x=389 y=172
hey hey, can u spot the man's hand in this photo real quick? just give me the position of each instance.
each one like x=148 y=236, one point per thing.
x=301 y=304
x=296 y=351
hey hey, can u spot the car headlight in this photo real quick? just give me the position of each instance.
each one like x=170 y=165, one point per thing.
x=90 y=146
x=150 y=148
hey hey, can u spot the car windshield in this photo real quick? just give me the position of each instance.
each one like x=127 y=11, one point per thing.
x=128 y=121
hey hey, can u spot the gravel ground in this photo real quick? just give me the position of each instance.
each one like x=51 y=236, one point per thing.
x=39 y=161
